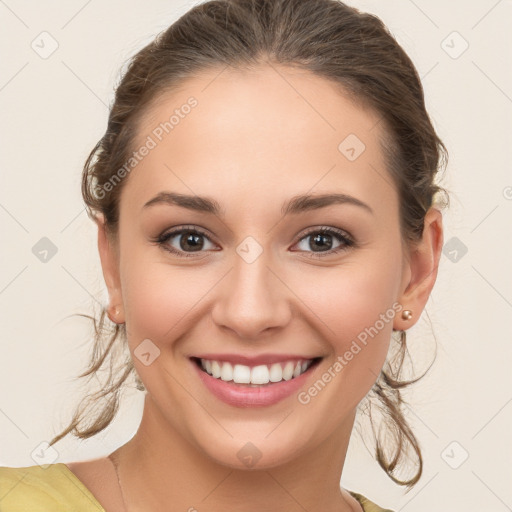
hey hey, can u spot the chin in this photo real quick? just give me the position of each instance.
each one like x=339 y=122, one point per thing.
x=252 y=454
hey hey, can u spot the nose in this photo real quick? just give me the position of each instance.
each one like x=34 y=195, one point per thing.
x=253 y=299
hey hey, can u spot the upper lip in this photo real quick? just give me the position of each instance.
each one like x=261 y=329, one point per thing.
x=255 y=360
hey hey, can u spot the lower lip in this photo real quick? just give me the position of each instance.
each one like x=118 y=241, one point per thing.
x=240 y=395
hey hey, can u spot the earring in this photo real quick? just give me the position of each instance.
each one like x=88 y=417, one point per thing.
x=406 y=314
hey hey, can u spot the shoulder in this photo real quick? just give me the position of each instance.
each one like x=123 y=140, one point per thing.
x=53 y=488
x=368 y=506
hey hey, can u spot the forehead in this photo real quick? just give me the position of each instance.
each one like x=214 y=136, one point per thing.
x=271 y=131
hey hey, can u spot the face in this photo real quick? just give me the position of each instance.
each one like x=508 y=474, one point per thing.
x=263 y=275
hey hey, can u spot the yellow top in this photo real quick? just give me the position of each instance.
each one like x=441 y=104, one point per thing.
x=58 y=489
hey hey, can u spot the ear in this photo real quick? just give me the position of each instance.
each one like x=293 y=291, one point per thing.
x=109 y=256
x=421 y=269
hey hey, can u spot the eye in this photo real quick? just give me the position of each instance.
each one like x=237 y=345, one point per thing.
x=323 y=240
x=187 y=240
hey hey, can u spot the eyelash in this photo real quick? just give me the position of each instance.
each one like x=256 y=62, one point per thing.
x=342 y=236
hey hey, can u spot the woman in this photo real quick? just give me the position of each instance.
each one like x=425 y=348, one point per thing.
x=267 y=220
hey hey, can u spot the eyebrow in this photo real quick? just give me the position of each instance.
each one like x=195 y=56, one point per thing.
x=296 y=205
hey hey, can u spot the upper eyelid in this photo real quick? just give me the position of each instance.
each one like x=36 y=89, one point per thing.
x=328 y=229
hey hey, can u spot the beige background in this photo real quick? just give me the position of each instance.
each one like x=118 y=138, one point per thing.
x=55 y=109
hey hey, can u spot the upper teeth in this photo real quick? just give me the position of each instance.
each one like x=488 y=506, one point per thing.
x=262 y=374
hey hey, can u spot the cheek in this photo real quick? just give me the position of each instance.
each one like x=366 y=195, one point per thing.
x=161 y=303
x=351 y=297
x=354 y=306
x=158 y=298
x=155 y=295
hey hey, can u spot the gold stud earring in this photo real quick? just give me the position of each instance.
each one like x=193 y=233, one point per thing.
x=406 y=314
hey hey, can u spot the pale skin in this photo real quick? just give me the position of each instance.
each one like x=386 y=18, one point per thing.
x=255 y=140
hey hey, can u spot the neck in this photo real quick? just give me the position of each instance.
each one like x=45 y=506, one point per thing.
x=158 y=466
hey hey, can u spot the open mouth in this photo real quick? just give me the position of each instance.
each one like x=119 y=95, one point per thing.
x=256 y=376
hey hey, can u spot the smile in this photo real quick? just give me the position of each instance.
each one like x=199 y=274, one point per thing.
x=256 y=375
x=258 y=385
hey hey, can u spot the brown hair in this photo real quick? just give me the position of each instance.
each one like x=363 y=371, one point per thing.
x=330 y=39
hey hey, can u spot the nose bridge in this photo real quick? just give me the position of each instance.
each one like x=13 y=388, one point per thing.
x=253 y=298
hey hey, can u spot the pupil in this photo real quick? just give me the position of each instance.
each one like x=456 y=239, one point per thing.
x=322 y=237
x=193 y=240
